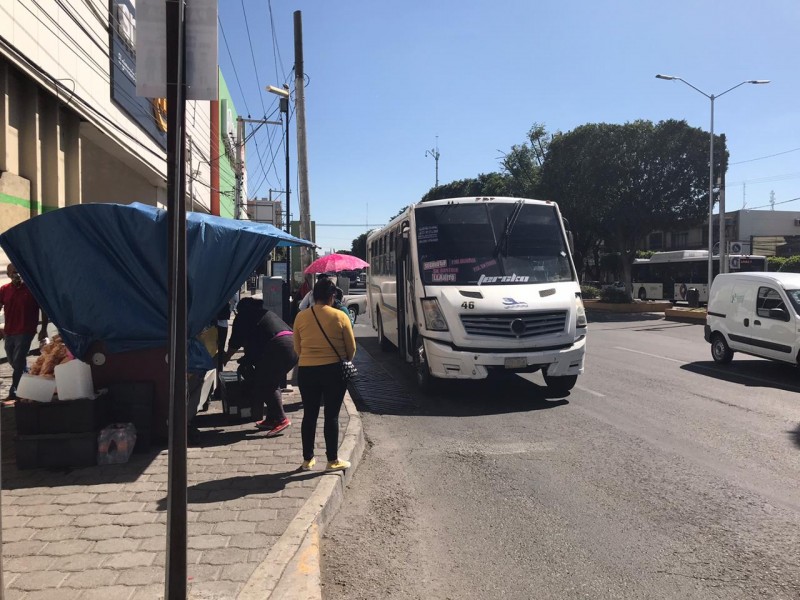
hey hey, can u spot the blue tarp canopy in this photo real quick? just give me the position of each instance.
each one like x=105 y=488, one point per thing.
x=99 y=271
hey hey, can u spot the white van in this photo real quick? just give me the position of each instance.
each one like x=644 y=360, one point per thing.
x=754 y=313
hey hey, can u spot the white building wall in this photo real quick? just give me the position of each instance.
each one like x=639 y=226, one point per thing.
x=63 y=138
x=767 y=223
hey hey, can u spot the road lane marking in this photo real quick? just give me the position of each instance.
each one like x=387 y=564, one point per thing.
x=680 y=362
x=588 y=391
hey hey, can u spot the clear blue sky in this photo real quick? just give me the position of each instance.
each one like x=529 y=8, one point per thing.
x=384 y=79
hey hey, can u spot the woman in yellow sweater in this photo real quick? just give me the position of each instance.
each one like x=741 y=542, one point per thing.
x=323 y=337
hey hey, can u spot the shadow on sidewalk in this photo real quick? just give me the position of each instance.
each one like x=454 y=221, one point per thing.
x=233 y=488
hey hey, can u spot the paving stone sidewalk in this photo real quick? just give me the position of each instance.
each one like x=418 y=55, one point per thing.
x=100 y=532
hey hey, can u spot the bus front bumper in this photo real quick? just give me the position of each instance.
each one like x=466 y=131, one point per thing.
x=448 y=363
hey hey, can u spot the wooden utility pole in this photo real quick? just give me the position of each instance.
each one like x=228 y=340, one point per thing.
x=302 y=150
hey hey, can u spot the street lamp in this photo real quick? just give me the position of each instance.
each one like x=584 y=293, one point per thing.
x=283 y=93
x=712 y=97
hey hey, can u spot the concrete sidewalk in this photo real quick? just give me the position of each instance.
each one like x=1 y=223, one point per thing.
x=100 y=532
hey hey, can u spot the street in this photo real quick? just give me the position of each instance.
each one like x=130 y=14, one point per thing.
x=661 y=475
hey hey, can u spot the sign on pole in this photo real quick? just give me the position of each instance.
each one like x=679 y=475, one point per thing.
x=201 y=49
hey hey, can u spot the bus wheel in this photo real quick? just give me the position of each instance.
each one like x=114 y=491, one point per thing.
x=560 y=385
x=642 y=294
x=425 y=381
x=385 y=344
x=720 y=351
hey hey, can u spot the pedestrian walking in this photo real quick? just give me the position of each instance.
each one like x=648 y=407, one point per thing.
x=21 y=319
x=323 y=337
x=268 y=355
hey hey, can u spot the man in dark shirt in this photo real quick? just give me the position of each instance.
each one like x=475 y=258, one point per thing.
x=21 y=319
x=268 y=355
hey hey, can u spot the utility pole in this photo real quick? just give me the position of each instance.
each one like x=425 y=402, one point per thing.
x=435 y=154
x=239 y=146
x=302 y=150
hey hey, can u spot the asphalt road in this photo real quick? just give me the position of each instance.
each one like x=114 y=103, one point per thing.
x=660 y=476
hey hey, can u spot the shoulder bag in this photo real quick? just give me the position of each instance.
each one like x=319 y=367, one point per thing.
x=349 y=370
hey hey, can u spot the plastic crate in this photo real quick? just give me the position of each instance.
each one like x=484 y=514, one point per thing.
x=237 y=400
x=61 y=416
x=61 y=450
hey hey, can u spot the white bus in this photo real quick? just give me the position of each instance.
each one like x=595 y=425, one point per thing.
x=469 y=286
x=670 y=275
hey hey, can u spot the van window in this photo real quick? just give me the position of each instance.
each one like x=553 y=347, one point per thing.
x=794 y=298
x=768 y=298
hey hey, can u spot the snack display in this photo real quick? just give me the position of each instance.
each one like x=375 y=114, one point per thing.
x=53 y=354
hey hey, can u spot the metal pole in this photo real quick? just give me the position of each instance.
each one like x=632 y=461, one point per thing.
x=237 y=200
x=711 y=201
x=289 y=279
x=175 y=576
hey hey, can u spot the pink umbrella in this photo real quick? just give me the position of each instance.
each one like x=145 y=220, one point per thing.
x=333 y=263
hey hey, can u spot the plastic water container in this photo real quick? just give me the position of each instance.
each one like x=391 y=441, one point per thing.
x=33 y=387
x=74 y=380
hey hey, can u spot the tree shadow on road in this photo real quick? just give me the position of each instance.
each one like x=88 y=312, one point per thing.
x=795 y=433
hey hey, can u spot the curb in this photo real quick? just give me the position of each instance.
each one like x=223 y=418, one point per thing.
x=291 y=570
x=684 y=315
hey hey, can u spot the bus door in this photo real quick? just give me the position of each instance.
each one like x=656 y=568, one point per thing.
x=401 y=252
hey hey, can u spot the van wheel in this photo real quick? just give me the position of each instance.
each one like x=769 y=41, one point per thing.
x=720 y=351
x=642 y=294
x=385 y=344
x=560 y=385
x=353 y=310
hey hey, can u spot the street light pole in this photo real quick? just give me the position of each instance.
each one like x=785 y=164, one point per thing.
x=723 y=267
x=283 y=93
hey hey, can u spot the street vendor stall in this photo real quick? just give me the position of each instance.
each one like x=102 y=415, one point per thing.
x=99 y=271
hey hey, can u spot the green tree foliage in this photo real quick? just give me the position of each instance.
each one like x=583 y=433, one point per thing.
x=619 y=182
x=524 y=161
x=791 y=265
x=359 y=247
x=774 y=263
x=486 y=184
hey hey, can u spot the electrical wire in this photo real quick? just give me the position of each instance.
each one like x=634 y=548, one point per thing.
x=771 y=204
x=276 y=53
x=233 y=64
x=253 y=56
x=741 y=162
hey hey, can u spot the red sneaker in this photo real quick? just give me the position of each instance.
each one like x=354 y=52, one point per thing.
x=266 y=424
x=278 y=428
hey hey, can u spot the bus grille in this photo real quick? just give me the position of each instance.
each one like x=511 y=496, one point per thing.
x=516 y=325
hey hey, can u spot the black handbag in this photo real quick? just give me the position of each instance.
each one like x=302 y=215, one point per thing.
x=349 y=370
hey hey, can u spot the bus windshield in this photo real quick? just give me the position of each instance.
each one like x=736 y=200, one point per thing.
x=491 y=244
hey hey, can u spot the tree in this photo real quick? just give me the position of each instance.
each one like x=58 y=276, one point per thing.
x=617 y=183
x=486 y=184
x=524 y=161
x=359 y=247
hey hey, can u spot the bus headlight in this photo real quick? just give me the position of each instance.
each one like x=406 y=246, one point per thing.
x=580 y=312
x=434 y=319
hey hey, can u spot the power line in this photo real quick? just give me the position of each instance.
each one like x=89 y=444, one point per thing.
x=253 y=56
x=775 y=204
x=741 y=162
x=233 y=64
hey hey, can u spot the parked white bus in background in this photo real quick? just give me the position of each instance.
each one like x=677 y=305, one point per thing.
x=669 y=275
x=467 y=286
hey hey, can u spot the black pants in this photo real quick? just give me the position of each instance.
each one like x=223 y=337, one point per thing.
x=278 y=359
x=318 y=385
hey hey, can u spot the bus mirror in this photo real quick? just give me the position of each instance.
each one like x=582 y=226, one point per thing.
x=570 y=242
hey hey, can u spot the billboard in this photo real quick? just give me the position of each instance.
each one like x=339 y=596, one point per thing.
x=149 y=113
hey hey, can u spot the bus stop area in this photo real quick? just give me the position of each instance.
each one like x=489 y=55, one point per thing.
x=100 y=532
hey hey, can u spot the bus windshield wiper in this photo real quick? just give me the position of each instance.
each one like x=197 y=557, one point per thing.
x=510 y=222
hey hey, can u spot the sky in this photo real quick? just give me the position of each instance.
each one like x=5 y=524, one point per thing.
x=388 y=83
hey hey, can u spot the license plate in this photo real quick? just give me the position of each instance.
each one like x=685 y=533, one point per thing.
x=516 y=362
